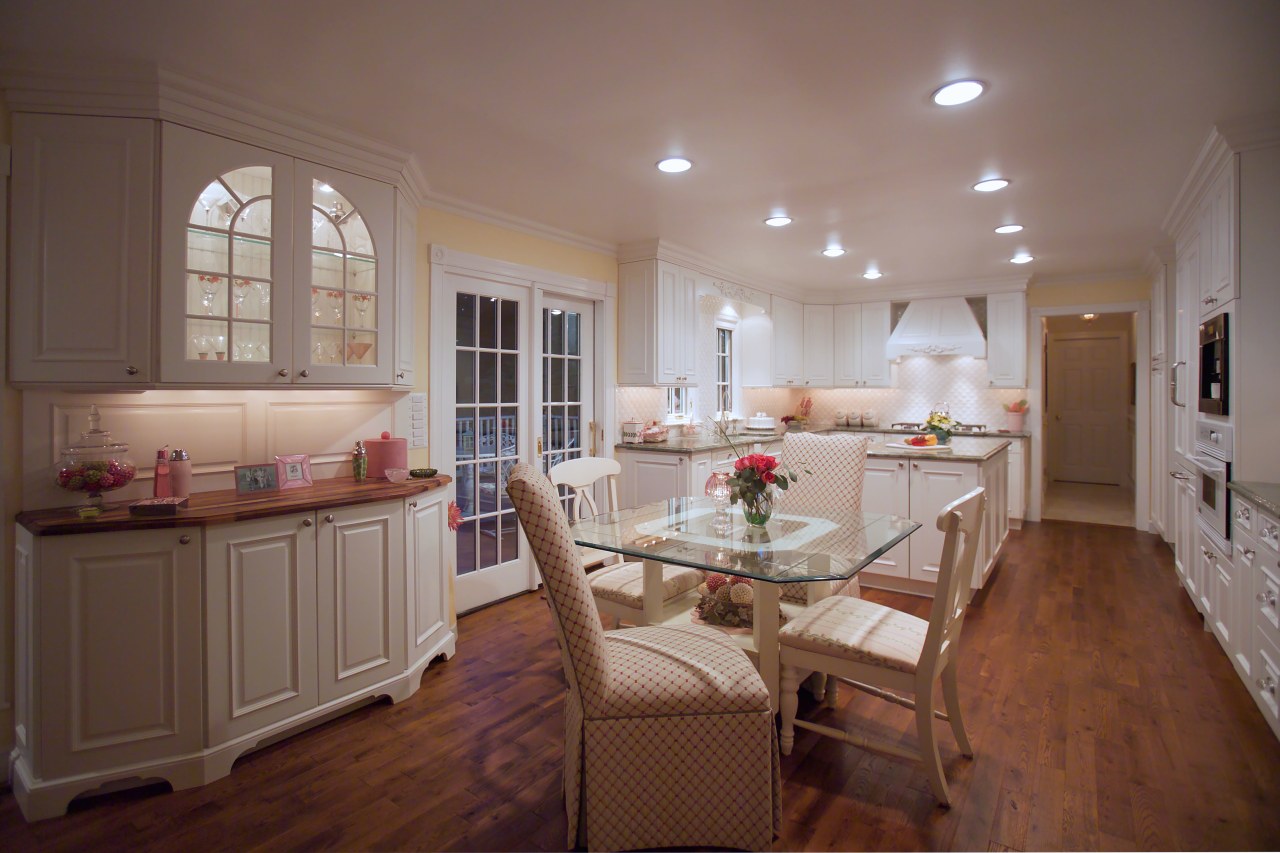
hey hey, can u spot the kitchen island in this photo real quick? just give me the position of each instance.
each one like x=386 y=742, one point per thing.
x=915 y=483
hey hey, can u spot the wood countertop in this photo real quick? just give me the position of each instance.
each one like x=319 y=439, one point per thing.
x=224 y=506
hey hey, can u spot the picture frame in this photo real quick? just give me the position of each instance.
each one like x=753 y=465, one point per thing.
x=251 y=479
x=293 y=472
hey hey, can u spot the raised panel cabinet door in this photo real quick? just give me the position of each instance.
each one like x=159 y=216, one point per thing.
x=877 y=372
x=117 y=640
x=427 y=568
x=1183 y=378
x=886 y=487
x=83 y=215
x=1158 y=318
x=846 y=346
x=933 y=486
x=687 y=329
x=260 y=623
x=344 y=285
x=671 y=325
x=819 y=331
x=659 y=476
x=788 y=342
x=637 y=312
x=1224 y=212
x=360 y=613
x=227 y=283
x=1017 y=468
x=406 y=283
x=1249 y=583
x=1007 y=340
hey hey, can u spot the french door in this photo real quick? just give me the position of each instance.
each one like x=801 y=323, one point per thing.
x=567 y=426
x=491 y=421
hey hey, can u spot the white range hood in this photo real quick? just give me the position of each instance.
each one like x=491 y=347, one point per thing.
x=937 y=327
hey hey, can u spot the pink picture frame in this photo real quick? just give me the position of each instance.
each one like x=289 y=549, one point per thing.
x=293 y=472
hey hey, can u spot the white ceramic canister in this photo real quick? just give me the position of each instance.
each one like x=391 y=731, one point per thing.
x=631 y=432
x=840 y=418
x=870 y=419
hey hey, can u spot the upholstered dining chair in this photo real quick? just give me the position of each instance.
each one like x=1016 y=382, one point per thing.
x=830 y=471
x=886 y=652
x=619 y=585
x=669 y=736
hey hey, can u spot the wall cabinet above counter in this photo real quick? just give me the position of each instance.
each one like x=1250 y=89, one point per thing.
x=149 y=254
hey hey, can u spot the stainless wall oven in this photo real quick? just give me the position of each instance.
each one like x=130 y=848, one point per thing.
x=1213 y=365
x=1212 y=458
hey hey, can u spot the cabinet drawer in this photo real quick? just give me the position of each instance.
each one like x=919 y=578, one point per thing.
x=1268 y=535
x=1244 y=517
x=1266 y=602
x=1266 y=683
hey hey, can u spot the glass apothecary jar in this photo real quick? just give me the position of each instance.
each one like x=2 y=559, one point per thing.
x=95 y=465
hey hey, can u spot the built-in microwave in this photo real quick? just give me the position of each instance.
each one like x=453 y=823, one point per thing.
x=1213 y=366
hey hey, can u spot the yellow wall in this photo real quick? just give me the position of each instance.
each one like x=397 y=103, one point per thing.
x=1088 y=293
x=492 y=241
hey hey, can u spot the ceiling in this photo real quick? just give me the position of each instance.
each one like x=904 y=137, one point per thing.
x=555 y=112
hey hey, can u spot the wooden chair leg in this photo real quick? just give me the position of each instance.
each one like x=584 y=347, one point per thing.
x=951 y=696
x=788 y=689
x=929 y=756
x=832 y=695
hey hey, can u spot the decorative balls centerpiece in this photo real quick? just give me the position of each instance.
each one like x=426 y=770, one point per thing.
x=728 y=601
x=96 y=465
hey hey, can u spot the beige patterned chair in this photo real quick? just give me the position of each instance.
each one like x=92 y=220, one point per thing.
x=886 y=652
x=836 y=465
x=619 y=586
x=669 y=737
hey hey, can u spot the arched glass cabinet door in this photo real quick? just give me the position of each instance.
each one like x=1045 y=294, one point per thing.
x=226 y=260
x=345 y=259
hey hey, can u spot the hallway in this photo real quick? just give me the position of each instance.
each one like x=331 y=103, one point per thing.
x=1089 y=503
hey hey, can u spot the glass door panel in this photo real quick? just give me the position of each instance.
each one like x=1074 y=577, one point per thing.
x=344 y=279
x=568 y=354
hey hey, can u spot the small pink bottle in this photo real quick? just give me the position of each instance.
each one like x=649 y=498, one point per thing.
x=160 y=486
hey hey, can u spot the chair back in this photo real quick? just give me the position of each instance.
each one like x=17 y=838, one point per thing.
x=581 y=475
x=578 y=627
x=961 y=523
x=836 y=465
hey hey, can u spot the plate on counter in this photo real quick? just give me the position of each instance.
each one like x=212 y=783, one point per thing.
x=927 y=447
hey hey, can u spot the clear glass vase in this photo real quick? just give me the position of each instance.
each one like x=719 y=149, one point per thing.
x=757 y=507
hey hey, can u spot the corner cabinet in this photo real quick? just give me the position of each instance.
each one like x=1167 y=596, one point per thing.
x=264 y=269
x=657 y=341
x=167 y=653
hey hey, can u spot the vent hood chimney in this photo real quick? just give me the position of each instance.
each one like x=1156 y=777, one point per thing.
x=937 y=327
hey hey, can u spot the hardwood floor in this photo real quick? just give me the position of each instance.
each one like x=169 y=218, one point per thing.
x=1101 y=714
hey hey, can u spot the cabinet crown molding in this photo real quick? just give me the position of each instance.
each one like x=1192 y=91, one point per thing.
x=126 y=90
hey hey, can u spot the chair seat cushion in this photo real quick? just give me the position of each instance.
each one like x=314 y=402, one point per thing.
x=678 y=670
x=624 y=584
x=859 y=630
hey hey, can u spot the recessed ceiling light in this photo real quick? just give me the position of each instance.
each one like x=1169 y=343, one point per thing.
x=778 y=221
x=1021 y=259
x=959 y=92
x=872 y=274
x=833 y=251
x=991 y=185
x=675 y=164
x=1008 y=229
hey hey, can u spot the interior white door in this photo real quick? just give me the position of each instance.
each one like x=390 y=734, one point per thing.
x=491 y=434
x=567 y=426
x=1088 y=382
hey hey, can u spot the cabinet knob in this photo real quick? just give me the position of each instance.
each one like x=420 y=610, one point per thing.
x=915 y=465
x=400 y=375
x=1247 y=553
x=902 y=464
x=329 y=518
x=304 y=373
x=284 y=371
x=184 y=539
x=413 y=504
x=306 y=522
x=1267 y=684
x=131 y=370
x=1267 y=597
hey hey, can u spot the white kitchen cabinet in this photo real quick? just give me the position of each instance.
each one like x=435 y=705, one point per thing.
x=818 y=332
x=81 y=283
x=886 y=487
x=260 y=623
x=861 y=332
x=788 y=342
x=652 y=476
x=1246 y=559
x=273 y=271
x=108 y=657
x=1223 y=613
x=1185 y=554
x=214 y=267
x=1017 y=481
x=1182 y=372
x=1007 y=340
x=1218 y=227
x=657 y=329
x=406 y=285
x=1159 y=320
x=934 y=484
x=168 y=653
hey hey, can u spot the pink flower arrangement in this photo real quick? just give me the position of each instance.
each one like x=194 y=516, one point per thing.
x=455 y=516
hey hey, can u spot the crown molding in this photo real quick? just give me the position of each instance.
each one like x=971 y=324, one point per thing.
x=1161 y=255
x=516 y=273
x=1090 y=278
x=145 y=91
x=1248 y=134
x=1213 y=156
x=923 y=290
x=449 y=204
x=665 y=250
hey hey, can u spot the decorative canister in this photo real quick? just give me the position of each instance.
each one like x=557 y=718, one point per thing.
x=631 y=432
x=870 y=419
x=840 y=418
x=97 y=464
x=386 y=452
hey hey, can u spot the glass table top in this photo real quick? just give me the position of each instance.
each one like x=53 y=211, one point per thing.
x=815 y=545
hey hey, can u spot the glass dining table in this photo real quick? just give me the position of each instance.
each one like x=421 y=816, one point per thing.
x=812 y=545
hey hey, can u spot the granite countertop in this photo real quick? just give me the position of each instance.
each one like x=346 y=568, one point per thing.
x=889 y=430
x=1265 y=495
x=963 y=448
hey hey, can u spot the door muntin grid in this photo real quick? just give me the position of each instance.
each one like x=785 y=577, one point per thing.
x=344 y=282
x=228 y=269
x=486 y=428
x=563 y=430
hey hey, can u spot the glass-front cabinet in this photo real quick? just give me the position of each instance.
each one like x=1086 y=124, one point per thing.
x=273 y=270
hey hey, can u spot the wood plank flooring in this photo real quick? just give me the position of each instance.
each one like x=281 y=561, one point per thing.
x=1101 y=714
